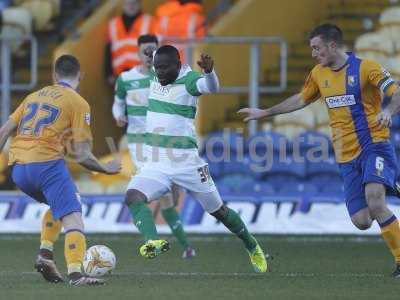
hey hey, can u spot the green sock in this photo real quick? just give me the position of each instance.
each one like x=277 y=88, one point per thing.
x=144 y=221
x=235 y=224
x=171 y=216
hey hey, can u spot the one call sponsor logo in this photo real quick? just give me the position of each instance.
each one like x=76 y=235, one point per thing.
x=340 y=101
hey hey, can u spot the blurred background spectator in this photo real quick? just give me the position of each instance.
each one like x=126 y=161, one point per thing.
x=123 y=32
x=182 y=19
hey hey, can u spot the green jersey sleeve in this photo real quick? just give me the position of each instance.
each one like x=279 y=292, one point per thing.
x=120 y=89
x=190 y=83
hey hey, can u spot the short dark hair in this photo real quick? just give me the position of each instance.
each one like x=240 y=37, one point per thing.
x=169 y=50
x=328 y=33
x=67 y=66
x=147 y=38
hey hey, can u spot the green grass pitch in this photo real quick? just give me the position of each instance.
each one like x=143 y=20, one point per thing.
x=303 y=267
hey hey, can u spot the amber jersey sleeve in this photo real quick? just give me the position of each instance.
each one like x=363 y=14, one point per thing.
x=80 y=121
x=310 y=91
x=379 y=77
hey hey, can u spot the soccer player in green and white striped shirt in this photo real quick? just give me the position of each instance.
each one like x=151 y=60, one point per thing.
x=130 y=107
x=171 y=150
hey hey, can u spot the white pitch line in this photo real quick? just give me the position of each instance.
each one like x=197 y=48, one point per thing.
x=212 y=239
x=212 y=274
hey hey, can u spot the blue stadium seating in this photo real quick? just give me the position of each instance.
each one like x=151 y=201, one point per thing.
x=396 y=122
x=280 y=181
x=237 y=165
x=395 y=139
x=220 y=143
x=326 y=166
x=214 y=144
x=271 y=168
x=216 y=169
x=334 y=188
x=235 y=182
x=323 y=180
x=312 y=140
x=268 y=141
x=299 y=188
x=261 y=188
x=285 y=172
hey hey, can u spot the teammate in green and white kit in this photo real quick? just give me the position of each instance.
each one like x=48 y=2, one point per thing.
x=129 y=108
x=171 y=150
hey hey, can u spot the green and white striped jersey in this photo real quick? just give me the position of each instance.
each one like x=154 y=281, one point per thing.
x=131 y=98
x=171 y=112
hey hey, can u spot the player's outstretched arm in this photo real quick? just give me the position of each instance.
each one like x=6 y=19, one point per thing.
x=384 y=118
x=84 y=156
x=292 y=103
x=209 y=84
x=5 y=131
x=118 y=111
x=119 y=105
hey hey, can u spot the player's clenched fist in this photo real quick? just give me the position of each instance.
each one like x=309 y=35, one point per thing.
x=206 y=63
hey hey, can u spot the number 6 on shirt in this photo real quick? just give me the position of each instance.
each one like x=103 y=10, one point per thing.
x=379 y=163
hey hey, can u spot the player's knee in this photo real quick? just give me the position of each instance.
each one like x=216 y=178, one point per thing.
x=73 y=221
x=362 y=226
x=221 y=213
x=362 y=223
x=134 y=196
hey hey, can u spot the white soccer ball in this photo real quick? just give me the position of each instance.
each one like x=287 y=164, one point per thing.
x=99 y=260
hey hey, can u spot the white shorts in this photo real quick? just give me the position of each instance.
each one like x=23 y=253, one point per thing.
x=156 y=178
x=138 y=156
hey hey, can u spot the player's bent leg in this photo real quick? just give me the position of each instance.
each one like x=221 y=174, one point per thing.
x=74 y=250
x=234 y=223
x=362 y=219
x=144 y=221
x=45 y=263
x=389 y=224
x=213 y=204
x=141 y=214
x=171 y=217
x=49 y=235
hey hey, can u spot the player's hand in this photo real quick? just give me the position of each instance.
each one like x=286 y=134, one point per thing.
x=384 y=119
x=206 y=63
x=253 y=113
x=113 y=166
x=122 y=121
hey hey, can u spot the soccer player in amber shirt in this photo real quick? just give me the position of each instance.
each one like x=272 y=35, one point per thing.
x=351 y=88
x=44 y=122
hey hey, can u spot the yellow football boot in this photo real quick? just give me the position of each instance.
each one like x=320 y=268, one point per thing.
x=153 y=248
x=258 y=260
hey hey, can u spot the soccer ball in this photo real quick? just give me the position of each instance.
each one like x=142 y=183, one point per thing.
x=99 y=260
